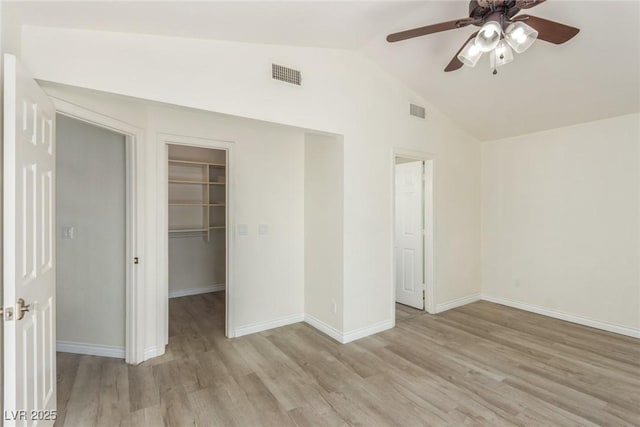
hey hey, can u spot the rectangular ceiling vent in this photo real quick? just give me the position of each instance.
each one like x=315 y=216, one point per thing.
x=417 y=111
x=285 y=74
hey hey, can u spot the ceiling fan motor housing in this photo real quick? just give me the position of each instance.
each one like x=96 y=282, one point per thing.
x=484 y=10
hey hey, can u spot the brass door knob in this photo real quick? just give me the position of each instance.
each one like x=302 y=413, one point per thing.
x=22 y=307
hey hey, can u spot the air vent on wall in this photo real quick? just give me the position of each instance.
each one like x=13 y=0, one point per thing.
x=285 y=74
x=417 y=111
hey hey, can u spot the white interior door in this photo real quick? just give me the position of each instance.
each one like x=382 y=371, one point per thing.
x=29 y=250
x=409 y=227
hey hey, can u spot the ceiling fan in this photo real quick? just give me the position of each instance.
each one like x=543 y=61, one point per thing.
x=501 y=31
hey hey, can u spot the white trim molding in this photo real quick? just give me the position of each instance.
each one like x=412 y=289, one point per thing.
x=573 y=318
x=155 y=351
x=196 y=291
x=252 y=328
x=324 y=327
x=458 y=302
x=367 y=330
x=90 y=349
x=347 y=337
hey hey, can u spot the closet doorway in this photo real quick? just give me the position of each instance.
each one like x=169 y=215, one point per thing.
x=197 y=236
x=94 y=230
x=413 y=231
x=94 y=342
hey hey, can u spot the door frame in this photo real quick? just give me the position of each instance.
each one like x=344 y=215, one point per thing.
x=429 y=170
x=134 y=286
x=164 y=140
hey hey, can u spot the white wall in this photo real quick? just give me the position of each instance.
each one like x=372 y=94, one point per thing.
x=323 y=229
x=342 y=93
x=269 y=189
x=195 y=264
x=90 y=269
x=561 y=220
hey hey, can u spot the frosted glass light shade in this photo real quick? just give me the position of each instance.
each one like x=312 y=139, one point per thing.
x=520 y=36
x=489 y=36
x=470 y=54
x=502 y=55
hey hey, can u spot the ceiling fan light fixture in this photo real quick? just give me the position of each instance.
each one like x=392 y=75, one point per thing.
x=470 y=54
x=489 y=36
x=520 y=36
x=502 y=55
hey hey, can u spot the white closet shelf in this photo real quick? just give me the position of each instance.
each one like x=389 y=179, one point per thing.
x=196 y=204
x=194 y=163
x=175 y=181
x=217 y=227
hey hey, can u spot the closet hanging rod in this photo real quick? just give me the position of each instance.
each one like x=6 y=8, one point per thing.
x=194 y=163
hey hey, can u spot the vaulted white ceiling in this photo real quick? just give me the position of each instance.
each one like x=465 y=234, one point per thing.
x=593 y=76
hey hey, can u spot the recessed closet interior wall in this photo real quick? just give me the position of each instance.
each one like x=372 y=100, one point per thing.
x=91 y=233
x=196 y=219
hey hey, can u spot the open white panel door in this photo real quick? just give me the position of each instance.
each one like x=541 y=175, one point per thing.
x=29 y=250
x=409 y=234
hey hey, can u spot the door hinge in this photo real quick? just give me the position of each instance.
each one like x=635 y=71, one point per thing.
x=6 y=313
x=423 y=295
x=136 y=260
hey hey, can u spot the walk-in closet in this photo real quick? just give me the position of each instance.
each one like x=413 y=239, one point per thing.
x=197 y=218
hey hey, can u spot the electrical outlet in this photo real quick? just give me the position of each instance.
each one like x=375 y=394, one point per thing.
x=243 y=230
x=263 y=229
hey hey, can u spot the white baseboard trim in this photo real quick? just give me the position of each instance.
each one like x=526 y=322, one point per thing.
x=155 y=351
x=581 y=320
x=458 y=302
x=90 y=349
x=347 y=337
x=367 y=330
x=270 y=324
x=195 y=291
x=324 y=328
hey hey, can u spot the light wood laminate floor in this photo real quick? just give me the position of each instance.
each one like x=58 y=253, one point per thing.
x=481 y=364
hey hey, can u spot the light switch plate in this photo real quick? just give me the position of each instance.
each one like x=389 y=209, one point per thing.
x=242 y=230
x=68 y=232
x=263 y=229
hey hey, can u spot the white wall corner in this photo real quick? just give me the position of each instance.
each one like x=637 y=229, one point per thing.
x=90 y=349
x=195 y=291
x=581 y=320
x=368 y=330
x=347 y=337
x=458 y=302
x=324 y=328
x=270 y=324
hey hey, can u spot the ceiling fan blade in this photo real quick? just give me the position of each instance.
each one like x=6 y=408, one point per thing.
x=429 y=29
x=518 y=5
x=528 y=4
x=550 y=31
x=455 y=63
